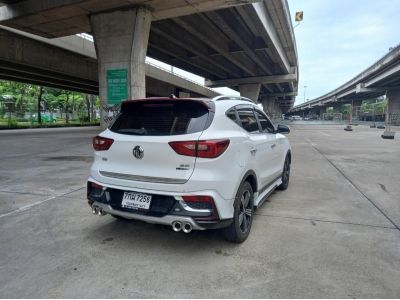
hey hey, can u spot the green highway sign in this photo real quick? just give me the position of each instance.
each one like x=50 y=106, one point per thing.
x=117 y=85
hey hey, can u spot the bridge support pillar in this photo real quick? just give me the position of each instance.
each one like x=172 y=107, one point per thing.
x=271 y=108
x=321 y=112
x=251 y=91
x=392 y=113
x=121 y=39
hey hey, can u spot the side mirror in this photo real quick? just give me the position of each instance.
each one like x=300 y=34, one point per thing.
x=282 y=129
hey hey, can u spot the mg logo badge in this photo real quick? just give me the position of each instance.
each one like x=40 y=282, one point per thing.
x=138 y=152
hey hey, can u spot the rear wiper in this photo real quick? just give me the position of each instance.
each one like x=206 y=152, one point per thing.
x=141 y=131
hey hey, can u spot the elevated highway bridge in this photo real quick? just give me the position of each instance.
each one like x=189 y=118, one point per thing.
x=70 y=63
x=381 y=78
x=248 y=45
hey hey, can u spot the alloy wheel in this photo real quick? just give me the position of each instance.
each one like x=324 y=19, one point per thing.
x=245 y=212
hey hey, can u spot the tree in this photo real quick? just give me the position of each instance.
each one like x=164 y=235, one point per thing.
x=39 y=106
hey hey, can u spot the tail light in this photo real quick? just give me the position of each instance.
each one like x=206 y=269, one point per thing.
x=202 y=202
x=94 y=190
x=205 y=149
x=102 y=143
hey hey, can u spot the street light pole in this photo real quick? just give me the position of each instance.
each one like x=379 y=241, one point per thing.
x=305 y=87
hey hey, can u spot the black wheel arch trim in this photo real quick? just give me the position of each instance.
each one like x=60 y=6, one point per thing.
x=289 y=152
x=246 y=175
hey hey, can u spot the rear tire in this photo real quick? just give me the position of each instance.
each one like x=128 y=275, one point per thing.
x=285 y=174
x=239 y=230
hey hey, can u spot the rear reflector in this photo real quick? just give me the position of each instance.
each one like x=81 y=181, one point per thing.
x=102 y=143
x=205 y=149
x=202 y=202
x=95 y=185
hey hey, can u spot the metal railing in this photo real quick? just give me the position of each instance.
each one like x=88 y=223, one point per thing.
x=178 y=75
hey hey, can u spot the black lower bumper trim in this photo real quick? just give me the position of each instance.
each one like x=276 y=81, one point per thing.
x=215 y=224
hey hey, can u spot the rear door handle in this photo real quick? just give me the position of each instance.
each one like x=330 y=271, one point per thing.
x=273 y=146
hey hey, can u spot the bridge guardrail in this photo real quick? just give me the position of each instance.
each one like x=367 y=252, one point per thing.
x=178 y=75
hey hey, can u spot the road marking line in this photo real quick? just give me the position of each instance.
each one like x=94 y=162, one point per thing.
x=26 y=207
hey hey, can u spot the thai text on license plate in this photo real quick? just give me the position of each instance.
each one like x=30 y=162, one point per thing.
x=136 y=201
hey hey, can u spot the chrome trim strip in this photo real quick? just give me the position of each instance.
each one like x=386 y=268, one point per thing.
x=166 y=220
x=142 y=178
x=262 y=196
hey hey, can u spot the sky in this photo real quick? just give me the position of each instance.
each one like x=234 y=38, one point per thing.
x=338 y=39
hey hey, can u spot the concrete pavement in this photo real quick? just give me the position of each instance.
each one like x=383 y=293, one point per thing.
x=333 y=233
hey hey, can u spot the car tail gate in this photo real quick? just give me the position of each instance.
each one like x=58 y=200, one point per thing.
x=140 y=149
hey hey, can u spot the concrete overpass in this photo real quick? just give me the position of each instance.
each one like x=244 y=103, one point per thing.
x=383 y=77
x=248 y=45
x=70 y=63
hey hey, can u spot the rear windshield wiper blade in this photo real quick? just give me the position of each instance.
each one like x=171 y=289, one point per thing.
x=141 y=131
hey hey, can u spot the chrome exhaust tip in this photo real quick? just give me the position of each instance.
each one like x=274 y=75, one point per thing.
x=100 y=212
x=176 y=226
x=94 y=210
x=187 y=228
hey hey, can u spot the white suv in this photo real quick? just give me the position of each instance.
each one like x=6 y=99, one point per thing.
x=189 y=163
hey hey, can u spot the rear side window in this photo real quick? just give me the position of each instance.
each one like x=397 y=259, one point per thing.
x=161 y=118
x=248 y=120
x=231 y=114
x=266 y=125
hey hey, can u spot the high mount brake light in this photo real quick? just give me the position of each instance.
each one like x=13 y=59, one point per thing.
x=102 y=143
x=204 y=149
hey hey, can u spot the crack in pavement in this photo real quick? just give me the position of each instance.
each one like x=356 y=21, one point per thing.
x=325 y=221
x=314 y=146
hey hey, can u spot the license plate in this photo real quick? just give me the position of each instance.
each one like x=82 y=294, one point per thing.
x=136 y=201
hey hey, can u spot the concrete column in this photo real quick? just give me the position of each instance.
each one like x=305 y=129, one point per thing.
x=322 y=110
x=357 y=103
x=268 y=106
x=121 y=39
x=277 y=111
x=392 y=113
x=393 y=105
x=251 y=91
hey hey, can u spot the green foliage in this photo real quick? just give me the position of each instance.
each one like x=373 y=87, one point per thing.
x=345 y=109
x=374 y=105
x=67 y=104
x=12 y=122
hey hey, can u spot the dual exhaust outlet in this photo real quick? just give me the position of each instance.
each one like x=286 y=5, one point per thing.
x=185 y=227
x=177 y=226
x=98 y=211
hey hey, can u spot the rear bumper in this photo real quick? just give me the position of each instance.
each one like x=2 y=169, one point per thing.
x=109 y=197
x=164 y=220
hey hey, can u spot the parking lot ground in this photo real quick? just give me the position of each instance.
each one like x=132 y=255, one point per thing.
x=333 y=233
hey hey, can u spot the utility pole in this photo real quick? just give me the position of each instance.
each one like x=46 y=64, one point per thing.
x=305 y=88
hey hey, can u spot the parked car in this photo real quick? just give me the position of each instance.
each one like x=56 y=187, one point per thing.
x=296 y=118
x=189 y=163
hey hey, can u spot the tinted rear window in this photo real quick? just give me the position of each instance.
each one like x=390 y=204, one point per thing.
x=161 y=118
x=248 y=120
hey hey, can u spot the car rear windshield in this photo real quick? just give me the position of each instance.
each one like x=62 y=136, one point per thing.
x=165 y=117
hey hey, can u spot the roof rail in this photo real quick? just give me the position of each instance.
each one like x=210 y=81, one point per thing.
x=220 y=98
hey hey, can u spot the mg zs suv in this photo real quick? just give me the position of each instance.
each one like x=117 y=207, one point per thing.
x=189 y=163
